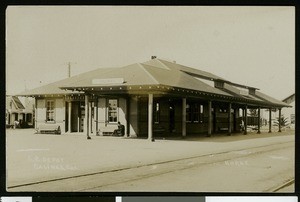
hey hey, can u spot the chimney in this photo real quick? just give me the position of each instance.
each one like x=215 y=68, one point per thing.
x=153 y=57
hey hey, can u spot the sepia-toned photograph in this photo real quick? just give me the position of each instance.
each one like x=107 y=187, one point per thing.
x=150 y=99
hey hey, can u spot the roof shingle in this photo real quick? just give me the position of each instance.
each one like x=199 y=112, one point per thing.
x=153 y=72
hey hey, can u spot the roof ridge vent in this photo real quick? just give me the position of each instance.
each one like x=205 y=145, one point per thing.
x=153 y=57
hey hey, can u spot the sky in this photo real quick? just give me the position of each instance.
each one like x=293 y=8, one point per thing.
x=253 y=46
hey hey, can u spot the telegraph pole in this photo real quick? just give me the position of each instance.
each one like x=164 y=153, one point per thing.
x=69 y=68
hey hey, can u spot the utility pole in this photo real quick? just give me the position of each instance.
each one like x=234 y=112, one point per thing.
x=69 y=68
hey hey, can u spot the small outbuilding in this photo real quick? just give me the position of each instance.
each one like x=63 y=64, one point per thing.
x=154 y=98
x=18 y=115
x=289 y=113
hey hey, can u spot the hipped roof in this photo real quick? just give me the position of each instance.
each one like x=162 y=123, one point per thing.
x=54 y=88
x=153 y=72
x=140 y=74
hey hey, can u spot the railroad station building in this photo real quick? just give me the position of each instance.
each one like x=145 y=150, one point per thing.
x=154 y=98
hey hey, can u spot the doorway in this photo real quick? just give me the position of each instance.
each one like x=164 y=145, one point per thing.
x=67 y=117
x=214 y=120
x=74 y=116
x=171 y=117
x=77 y=116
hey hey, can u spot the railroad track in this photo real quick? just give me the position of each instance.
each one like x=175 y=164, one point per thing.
x=282 y=186
x=164 y=168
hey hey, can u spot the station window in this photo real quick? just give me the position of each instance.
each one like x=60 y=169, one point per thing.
x=292 y=118
x=219 y=84
x=112 y=110
x=50 y=106
x=188 y=113
x=156 y=114
x=194 y=113
x=201 y=115
x=29 y=118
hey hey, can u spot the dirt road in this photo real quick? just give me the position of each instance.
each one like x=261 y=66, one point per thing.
x=246 y=165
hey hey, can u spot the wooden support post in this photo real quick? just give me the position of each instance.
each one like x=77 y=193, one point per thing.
x=270 y=120
x=87 y=116
x=78 y=125
x=35 y=114
x=279 y=121
x=127 y=117
x=229 y=119
x=150 y=117
x=90 y=117
x=209 y=119
x=97 y=100
x=183 y=117
x=258 y=124
x=94 y=118
x=69 y=117
x=246 y=121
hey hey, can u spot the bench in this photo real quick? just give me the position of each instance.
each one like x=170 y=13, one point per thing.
x=252 y=128
x=49 y=128
x=9 y=126
x=158 y=129
x=223 y=129
x=107 y=130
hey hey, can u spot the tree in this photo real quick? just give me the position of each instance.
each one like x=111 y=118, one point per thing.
x=283 y=121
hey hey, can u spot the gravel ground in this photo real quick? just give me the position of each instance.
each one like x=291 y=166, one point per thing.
x=37 y=157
